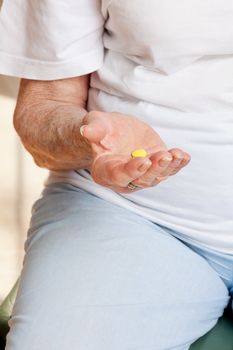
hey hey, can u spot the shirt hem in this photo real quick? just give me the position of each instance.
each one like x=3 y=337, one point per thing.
x=23 y=67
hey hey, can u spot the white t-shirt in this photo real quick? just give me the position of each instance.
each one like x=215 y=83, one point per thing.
x=168 y=62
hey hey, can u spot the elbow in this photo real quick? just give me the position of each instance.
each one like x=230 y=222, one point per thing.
x=16 y=121
x=22 y=127
x=19 y=121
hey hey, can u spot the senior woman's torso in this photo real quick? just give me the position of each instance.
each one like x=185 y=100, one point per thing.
x=170 y=63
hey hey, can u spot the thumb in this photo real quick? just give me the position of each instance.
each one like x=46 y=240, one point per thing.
x=94 y=132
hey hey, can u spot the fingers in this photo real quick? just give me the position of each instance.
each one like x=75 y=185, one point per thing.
x=164 y=164
x=182 y=164
x=179 y=160
x=160 y=162
x=118 y=172
x=133 y=169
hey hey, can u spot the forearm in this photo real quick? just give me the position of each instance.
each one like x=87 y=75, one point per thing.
x=47 y=118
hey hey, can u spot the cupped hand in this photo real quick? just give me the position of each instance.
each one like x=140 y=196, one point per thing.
x=113 y=136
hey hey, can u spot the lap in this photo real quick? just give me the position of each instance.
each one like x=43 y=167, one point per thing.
x=97 y=276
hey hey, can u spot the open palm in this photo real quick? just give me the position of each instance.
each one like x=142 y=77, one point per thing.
x=113 y=137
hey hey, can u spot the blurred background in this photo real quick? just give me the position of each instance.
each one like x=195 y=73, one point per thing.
x=21 y=182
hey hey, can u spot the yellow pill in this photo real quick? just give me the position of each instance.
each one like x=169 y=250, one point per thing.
x=139 y=153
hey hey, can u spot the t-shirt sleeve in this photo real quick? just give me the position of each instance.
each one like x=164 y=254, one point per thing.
x=50 y=39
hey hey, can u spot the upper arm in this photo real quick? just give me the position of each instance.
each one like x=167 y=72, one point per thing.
x=50 y=39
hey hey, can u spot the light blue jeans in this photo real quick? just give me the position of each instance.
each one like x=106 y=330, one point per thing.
x=99 y=277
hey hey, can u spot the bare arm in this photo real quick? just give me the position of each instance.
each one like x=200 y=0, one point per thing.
x=47 y=118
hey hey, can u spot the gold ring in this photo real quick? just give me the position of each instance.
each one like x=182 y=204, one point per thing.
x=132 y=186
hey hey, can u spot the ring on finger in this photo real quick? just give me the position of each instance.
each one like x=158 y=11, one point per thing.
x=132 y=186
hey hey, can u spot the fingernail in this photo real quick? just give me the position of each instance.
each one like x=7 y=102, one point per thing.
x=144 y=166
x=164 y=161
x=82 y=130
x=178 y=156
